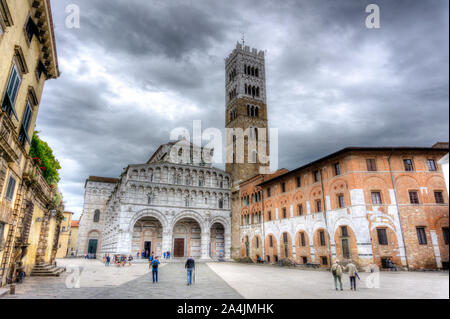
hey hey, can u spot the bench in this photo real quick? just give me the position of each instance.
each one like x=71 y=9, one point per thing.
x=313 y=265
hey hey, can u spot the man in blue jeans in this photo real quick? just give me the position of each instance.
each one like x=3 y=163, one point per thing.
x=155 y=264
x=190 y=267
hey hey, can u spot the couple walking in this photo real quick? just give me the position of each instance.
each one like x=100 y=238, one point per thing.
x=189 y=266
x=337 y=271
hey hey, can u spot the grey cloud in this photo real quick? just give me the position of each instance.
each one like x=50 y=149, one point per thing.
x=177 y=49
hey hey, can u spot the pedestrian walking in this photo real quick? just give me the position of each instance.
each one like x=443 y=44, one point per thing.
x=190 y=268
x=130 y=260
x=108 y=260
x=352 y=273
x=164 y=255
x=336 y=270
x=155 y=264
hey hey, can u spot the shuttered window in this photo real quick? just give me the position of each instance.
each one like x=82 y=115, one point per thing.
x=371 y=164
x=25 y=125
x=11 y=91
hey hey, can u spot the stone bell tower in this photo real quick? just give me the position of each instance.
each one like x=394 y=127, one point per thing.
x=246 y=109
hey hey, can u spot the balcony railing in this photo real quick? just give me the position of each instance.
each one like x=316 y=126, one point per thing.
x=33 y=173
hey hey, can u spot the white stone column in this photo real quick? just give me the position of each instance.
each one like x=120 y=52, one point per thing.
x=437 y=252
x=206 y=236
x=166 y=244
x=227 y=247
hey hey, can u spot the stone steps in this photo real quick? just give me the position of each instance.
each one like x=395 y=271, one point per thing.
x=45 y=270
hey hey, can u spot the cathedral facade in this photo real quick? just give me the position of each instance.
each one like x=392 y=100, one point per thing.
x=166 y=204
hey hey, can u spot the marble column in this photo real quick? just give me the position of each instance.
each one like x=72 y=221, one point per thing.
x=206 y=236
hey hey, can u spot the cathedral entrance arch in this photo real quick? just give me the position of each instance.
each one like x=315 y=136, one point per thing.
x=147 y=237
x=186 y=238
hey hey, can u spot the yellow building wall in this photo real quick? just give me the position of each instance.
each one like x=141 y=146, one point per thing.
x=64 y=236
x=33 y=239
x=50 y=238
x=73 y=241
x=15 y=35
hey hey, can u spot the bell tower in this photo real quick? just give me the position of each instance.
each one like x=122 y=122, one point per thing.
x=246 y=109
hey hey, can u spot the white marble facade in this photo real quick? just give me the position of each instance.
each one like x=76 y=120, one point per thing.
x=167 y=204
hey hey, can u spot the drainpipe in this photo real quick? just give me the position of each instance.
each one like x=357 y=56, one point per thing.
x=398 y=209
x=325 y=209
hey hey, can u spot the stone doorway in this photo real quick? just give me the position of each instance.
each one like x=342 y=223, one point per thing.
x=178 y=249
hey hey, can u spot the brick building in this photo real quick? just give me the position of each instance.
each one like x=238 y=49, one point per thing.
x=366 y=204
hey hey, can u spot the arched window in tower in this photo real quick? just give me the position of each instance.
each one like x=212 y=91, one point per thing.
x=245 y=68
x=248 y=70
x=257 y=111
x=96 y=216
x=253 y=91
x=220 y=203
x=256 y=72
x=253 y=71
x=257 y=91
x=248 y=110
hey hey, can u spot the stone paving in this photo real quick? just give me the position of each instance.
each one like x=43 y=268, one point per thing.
x=100 y=282
x=266 y=281
x=224 y=281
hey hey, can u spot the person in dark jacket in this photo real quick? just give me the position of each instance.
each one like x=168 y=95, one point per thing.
x=190 y=267
x=155 y=264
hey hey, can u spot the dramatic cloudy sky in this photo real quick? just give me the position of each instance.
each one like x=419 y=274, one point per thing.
x=136 y=69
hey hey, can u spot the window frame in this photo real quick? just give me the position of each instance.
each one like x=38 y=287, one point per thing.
x=284 y=213
x=316 y=176
x=416 y=201
x=322 y=240
x=408 y=167
x=300 y=209
x=378 y=199
x=371 y=164
x=319 y=207
x=10 y=190
x=441 y=198
x=433 y=161
x=421 y=235
x=341 y=200
x=383 y=239
x=445 y=234
x=337 y=169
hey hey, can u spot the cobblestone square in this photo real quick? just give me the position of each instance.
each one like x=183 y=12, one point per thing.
x=223 y=281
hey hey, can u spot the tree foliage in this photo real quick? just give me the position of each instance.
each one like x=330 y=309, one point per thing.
x=43 y=155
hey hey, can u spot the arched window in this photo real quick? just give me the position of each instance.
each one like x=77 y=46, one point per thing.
x=253 y=71
x=96 y=216
x=256 y=111
x=220 y=203
x=257 y=91
x=256 y=72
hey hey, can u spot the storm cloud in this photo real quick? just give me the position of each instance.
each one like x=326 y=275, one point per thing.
x=136 y=69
